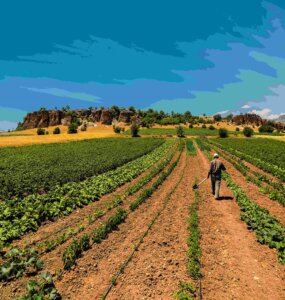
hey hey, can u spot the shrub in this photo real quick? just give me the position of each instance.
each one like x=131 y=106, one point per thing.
x=223 y=133
x=135 y=129
x=47 y=132
x=247 y=131
x=72 y=128
x=191 y=126
x=237 y=129
x=211 y=127
x=217 y=118
x=83 y=127
x=204 y=126
x=266 y=128
x=41 y=131
x=117 y=129
x=180 y=131
x=56 y=130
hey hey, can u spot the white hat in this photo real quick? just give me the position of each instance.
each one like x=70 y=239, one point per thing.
x=216 y=155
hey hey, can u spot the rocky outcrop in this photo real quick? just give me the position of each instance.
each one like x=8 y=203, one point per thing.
x=248 y=119
x=107 y=116
x=126 y=116
x=45 y=118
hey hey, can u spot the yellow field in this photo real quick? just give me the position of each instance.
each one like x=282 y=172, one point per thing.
x=29 y=136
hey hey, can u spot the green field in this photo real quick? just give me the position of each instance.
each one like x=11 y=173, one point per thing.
x=37 y=168
x=172 y=131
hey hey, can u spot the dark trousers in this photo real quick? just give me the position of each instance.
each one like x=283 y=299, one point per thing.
x=216 y=184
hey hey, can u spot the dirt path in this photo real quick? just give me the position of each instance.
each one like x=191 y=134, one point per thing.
x=235 y=265
x=274 y=207
x=95 y=269
x=161 y=261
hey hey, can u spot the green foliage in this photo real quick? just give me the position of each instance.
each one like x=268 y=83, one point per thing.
x=180 y=131
x=41 y=131
x=72 y=128
x=117 y=129
x=194 y=251
x=64 y=162
x=268 y=155
x=56 y=130
x=41 y=290
x=217 y=118
x=223 y=133
x=190 y=147
x=204 y=126
x=135 y=129
x=186 y=292
x=21 y=215
x=266 y=128
x=268 y=230
x=77 y=247
x=247 y=131
x=237 y=129
x=16 y=262
x=211 y=127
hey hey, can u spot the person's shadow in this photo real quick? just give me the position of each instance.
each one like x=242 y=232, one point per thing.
x=225 y=198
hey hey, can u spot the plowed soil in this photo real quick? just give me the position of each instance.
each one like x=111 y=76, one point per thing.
x=234 y=264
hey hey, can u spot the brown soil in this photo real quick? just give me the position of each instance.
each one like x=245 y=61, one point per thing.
x=274 y=207
x=95 y=269
x=235 y=265
x=160 y=263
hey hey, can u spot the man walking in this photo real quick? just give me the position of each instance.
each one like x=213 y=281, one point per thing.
x=216 y=168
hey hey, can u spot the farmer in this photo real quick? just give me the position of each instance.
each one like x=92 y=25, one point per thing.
x=216 y=168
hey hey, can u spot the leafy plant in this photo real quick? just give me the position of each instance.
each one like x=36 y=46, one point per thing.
x=223 y=133
x=180 y=131
x=41 y=290
x=247 y=131
x=56 y=130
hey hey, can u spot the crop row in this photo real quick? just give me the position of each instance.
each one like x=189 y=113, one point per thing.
x=13 y=262
x=268 y=230
x=38 y=168
x=18 y=217
x=274 y=190
x=117 y=200
x=190 y=147
x=266 y=155
x=75 y=249
x=141 y=239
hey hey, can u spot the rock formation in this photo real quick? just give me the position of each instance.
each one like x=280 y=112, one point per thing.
x=248 y=119
x=45 y=118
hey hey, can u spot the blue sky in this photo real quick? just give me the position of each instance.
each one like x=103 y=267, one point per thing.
x=204 y=56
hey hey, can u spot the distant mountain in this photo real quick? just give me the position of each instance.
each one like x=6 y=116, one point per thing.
x=281 y=119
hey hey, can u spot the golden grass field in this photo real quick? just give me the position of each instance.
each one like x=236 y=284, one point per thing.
x=30 y=137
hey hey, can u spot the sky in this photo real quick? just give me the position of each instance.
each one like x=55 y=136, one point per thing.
x=206 y=56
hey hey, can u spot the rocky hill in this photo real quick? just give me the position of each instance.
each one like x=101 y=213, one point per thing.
x=248 y=119
x=46 y=118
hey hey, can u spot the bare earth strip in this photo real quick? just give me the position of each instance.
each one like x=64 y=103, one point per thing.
x=274 y=207
x=161 y=261
x=235 y=265
x=95 y=269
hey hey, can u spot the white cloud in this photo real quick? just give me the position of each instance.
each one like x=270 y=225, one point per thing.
x=266 y=113
x=223 y=112
x=246 y=106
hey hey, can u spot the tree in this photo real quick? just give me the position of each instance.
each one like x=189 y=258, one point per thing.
x=135 y=129
x=204 y=126
x=223 y=133
x=180 y=131
x=217 y=117
x=117 y=129
x=229 y=117
x=56 y=130
x=131 y=108
x=237 y=129
x=211 y=127
x=41 y=131
x=266 y=128
x=247 y=131
x=72 y=128
x=117 y=110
